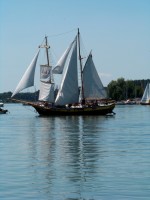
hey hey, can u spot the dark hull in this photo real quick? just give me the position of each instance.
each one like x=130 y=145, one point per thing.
x=144 y=103
x=2 y=111
x=55 y=111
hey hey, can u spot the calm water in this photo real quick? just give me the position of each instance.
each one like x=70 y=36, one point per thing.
x=75 y=158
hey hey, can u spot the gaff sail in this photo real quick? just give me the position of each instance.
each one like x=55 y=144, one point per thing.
x=93 y=87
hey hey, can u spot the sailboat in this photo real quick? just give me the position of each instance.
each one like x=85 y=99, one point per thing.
x=1 y=103
x=146 y=96
x=76 y=96
x=3 y=111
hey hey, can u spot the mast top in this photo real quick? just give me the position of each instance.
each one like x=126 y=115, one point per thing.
x=46 y=46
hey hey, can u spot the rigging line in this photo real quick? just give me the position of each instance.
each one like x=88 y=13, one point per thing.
x=84 y=50
x=55 y=35
x=42 y=42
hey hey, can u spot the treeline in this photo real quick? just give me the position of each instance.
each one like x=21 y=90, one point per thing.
x=122 y=89
x=6 y=96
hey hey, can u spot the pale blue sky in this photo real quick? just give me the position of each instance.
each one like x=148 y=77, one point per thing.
x=117 y=31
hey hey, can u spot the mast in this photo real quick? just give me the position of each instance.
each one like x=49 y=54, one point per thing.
x=81 y=70
x=47 y=47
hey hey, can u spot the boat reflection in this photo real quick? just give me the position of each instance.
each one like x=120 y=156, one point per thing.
x=65 y=150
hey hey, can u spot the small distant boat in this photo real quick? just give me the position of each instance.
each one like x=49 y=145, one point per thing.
x=82 y=95
x=126 y=102
x=130 y=102
x=1 y=103
x=146 y=96
x=2 y=111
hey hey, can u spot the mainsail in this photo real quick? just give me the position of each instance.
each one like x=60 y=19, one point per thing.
x=93 y=87
x=146 y=95
x=28 y=77
x=69 y=92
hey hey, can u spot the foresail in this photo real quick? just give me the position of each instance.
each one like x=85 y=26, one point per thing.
x=28 y=77
x=46 y=92
x=61 y=62
x=93 y=87
x=146 y=95
x=68 y=92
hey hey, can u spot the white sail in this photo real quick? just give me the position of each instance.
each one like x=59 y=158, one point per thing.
x=93 y=87
x=28 y=77
x=146 y=95
x=61 y=62
x=46 y=92
x=46 y=87
x=68 y=92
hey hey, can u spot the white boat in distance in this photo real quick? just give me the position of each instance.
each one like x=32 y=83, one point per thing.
x=146 y=96
x=88 y=98
x=1 y=103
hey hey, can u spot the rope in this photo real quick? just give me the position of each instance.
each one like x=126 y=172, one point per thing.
x=55 y=35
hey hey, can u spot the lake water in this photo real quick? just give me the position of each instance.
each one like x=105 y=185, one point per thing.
x=75 y=158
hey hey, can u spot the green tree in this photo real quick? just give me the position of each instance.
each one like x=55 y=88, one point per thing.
x=116 y=89
x=129 y=89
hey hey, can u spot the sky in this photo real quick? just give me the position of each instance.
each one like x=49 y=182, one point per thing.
x=117 y=32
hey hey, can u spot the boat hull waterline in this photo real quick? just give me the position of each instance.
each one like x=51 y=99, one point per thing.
x=102 y=109
x=145 y=104
x=55 y=111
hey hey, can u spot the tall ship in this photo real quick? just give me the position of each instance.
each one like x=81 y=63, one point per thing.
x=80 y=92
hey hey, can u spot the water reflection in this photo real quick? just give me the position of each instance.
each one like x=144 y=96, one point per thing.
x=65 y=151
x=75 y=157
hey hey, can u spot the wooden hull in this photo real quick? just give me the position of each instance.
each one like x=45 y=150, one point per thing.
x=55 y=111
x=103 y=109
